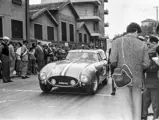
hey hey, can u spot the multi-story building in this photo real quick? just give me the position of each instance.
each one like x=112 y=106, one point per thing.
x=62 y=27
x=14 y=19
x=92 y=13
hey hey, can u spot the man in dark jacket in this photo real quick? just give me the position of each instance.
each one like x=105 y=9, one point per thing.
x=151 y=92
x=39 y=54
x=5 y=60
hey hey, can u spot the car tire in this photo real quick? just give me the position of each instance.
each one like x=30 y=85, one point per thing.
x=45 y=88
x=93 y=87
x=105 y=81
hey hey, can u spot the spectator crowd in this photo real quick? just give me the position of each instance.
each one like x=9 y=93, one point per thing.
x=21 y=59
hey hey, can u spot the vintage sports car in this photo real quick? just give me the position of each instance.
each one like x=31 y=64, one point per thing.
x=81 y=68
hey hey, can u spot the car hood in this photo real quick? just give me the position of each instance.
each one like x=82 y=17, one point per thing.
x=65 y=68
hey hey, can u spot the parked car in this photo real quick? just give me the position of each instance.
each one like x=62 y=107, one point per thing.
x=81 y=68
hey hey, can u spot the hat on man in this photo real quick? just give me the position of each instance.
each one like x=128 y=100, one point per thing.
x=6 y=38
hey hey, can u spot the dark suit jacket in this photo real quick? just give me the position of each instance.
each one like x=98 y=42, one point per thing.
x=39 y=53
x=152 y=80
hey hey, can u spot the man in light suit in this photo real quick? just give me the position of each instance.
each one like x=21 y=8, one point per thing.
x=39 y=54
x=11 y=58
x=24 y=60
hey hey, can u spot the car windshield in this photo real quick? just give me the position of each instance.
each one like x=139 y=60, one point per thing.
x=82 y=55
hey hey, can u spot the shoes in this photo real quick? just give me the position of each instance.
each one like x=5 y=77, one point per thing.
x=23 y=77
x=113 y=93
x=27 y=77
x=10 y=81
x=5 y=81
x=144 y=118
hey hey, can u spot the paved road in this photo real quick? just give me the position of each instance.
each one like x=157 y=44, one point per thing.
x=23 y=100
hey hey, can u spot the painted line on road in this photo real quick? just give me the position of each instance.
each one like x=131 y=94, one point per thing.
x=4 y=101
x=23 y=90
x=20 y=90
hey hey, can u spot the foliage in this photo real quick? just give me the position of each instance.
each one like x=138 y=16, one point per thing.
x=149 y=29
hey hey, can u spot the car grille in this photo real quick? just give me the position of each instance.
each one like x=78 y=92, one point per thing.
x=63 y=81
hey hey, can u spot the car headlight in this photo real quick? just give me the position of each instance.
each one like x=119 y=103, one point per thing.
x=84 y=78
x=43 y=76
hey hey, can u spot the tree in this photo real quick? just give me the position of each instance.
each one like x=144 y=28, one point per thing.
x=149 y=29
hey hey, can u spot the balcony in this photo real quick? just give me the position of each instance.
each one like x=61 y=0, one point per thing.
x=105 y=0
x=106 y=24
x=106 y=12
x=96 y=2
x=95 y=34
x=90 y=17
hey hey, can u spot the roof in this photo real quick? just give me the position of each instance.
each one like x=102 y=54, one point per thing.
x=36 y=13
x=97 y=2
x=54 y=6
x=82 y=24
x=148 y=20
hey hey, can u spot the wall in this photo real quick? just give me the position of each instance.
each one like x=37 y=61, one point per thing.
x=83 y=31
x=45 y=21
x=66 y=15
x=84 y=9
x=8 y=11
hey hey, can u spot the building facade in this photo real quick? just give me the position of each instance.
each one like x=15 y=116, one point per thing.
x=13 y=19
x=64 y=23
x=92 y=13
x=43 y=26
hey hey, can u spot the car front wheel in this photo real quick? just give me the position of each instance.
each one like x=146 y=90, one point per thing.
x=45 y=88
x=92 y=88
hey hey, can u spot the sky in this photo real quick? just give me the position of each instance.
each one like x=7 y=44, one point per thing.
x=123 y=12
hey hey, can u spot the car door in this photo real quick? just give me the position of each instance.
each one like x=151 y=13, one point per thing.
x=104 y=66
x=100 y=70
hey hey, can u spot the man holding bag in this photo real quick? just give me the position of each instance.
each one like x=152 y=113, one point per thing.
x=136 y=58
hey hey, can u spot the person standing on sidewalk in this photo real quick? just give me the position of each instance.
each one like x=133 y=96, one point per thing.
x=136 y=57
x=24 y=60
x=12 y=58
x=5 y=60
x=151 y=92
x=39 y=54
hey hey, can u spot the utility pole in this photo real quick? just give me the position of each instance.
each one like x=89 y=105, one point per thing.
x=156 y=13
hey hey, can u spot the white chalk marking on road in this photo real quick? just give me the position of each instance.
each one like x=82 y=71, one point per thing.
x=4 y=101
x=22 y=90
x=7 y=90
x=52 y=106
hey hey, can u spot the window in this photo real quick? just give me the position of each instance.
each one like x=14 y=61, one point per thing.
x=71 y=33
x=80 y=37
x=1 y=27
x=19 y=2
x=38 y=31
x=85 y=38
x=17 y=29
x=64 y=31
x=50 y=33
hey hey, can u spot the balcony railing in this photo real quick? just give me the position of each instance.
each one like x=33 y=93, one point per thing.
x=105 y=0
x=106 y=24
x=106 y=12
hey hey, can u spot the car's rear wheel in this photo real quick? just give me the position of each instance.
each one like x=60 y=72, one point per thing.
x=92 y=88
x=45 y=88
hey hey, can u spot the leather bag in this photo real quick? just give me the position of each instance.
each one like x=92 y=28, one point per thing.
x=122 y=76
